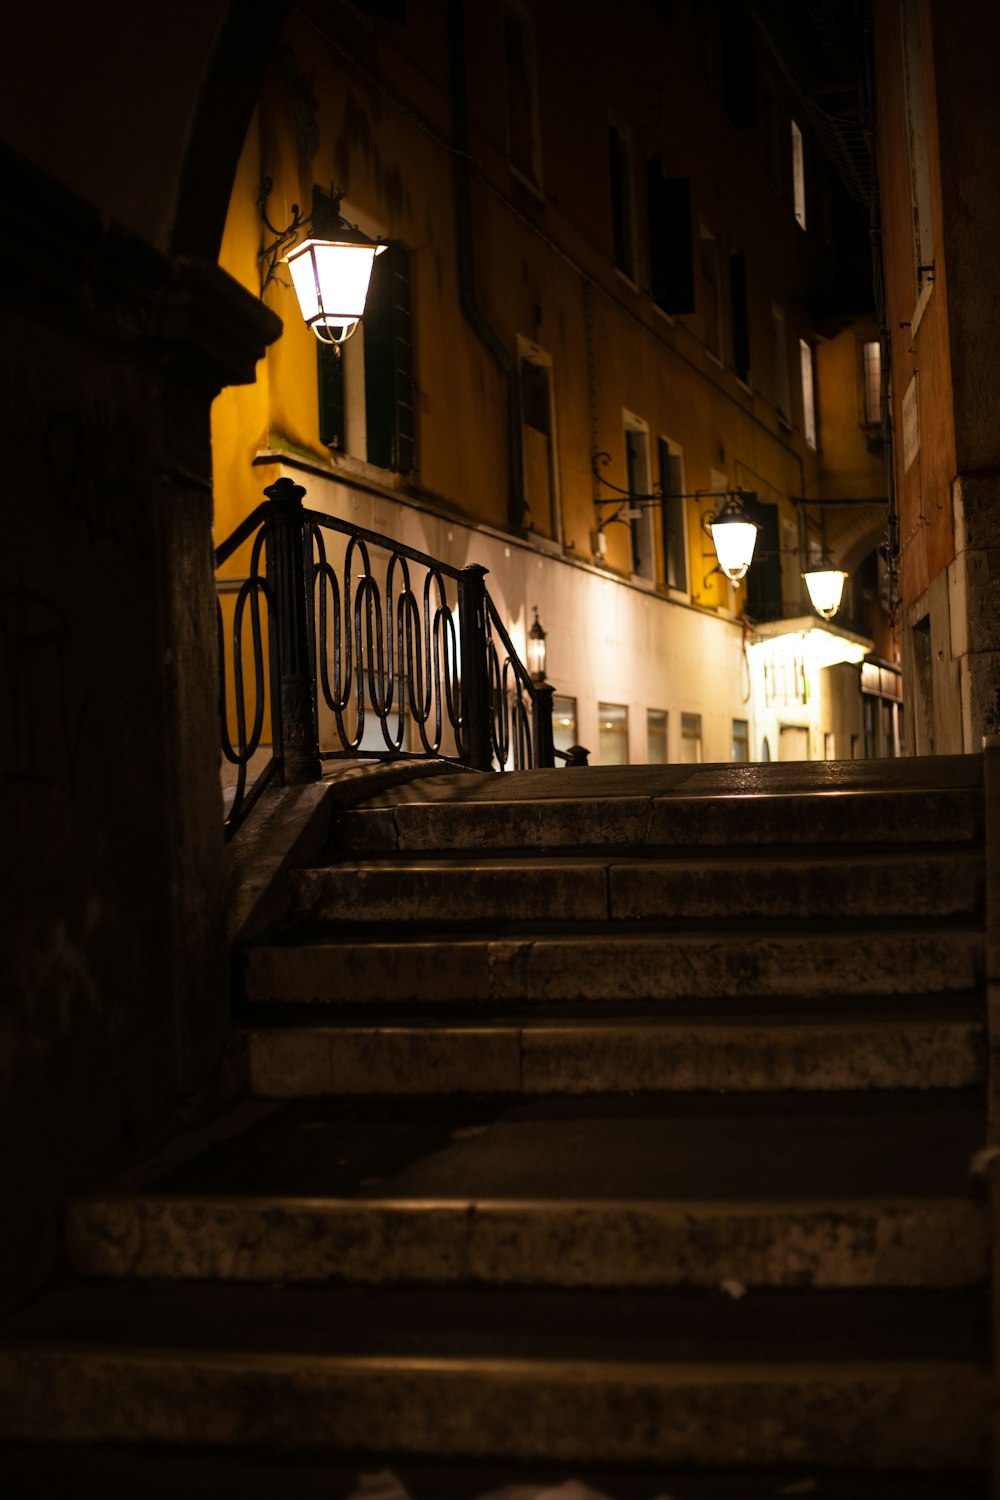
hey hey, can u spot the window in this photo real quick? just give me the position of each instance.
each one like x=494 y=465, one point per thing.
x=622 y=201
x=738 y=41
x=741 y=741
x=871 y=364
x=641 y=525
x=537 y=447
x=782 y=384
x=916 y=113
x=741 y=315
x=612 y=734
x=563 y=724
x=673 y=515
x=671 y=262
x=771 y=132
x=798 y=177
x=365 y=390
x=808 y=393
x=522 y=93
x=691 y=739
x=763 y=582
x=656 y=736
x=712 y=288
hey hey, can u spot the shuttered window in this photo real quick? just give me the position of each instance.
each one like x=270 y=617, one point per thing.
x=389 y=363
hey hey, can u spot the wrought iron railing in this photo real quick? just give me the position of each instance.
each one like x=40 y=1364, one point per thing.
x=349 y=644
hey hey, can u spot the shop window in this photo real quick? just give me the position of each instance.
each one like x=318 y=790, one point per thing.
x=671 y=261
x=691 y=739
x=656 y=736
x=612 y=734
x=563 y=724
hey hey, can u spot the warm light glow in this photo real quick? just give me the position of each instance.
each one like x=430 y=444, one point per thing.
x=805 y=638
x=734 y=538
x=331 y=281
x=826 y=589
x=536 y=650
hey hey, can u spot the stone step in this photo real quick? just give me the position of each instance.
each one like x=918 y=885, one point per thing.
x=845 y=1243
x=880 y=1381
x=46 y=1472
x=766 y=1192
x=940 y=815
x=586 y=890
x=636 y=1055
x=812 y=965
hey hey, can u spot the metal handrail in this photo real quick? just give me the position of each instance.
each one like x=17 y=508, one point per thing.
x=431 y=653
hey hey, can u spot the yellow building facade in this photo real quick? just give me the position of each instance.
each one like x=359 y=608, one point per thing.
x=614 y=249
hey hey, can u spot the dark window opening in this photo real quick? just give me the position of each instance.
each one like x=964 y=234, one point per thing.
x=741 y=315
x=763 y=581
x=671 y=257
x=738 y=70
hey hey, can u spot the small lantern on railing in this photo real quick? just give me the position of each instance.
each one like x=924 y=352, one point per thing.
x=826 y=587
x=734 y=536
x=537 y=650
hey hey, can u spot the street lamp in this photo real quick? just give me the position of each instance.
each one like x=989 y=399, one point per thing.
x=537 y=650
x=734 y=537
x=331 y=268
x=826 y=587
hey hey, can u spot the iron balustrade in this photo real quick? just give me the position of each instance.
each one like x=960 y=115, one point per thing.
x=342 y=634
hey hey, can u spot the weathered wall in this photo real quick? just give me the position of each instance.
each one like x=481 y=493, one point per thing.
x=112 y=960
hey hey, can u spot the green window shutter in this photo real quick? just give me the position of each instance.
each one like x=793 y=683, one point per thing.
x=389 y=363
x=330 y=387
x=763 y=582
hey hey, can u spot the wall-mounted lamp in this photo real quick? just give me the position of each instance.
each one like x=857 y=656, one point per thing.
x=537 y=650
x=733 y=533
x=826 y=587
x=330 y=269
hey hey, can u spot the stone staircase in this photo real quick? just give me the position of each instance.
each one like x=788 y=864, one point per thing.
x=614 y=1125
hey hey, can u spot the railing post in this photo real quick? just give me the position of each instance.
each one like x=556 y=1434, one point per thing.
x=288 y=578
x=541 y=725
x=475 y=669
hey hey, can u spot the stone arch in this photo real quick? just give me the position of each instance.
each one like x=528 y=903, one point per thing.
x=232 y=83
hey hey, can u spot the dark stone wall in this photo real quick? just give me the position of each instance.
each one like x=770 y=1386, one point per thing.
x=114 y=1009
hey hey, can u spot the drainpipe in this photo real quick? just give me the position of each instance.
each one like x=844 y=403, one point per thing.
x=495 y=346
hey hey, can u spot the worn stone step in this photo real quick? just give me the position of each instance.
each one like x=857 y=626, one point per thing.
x=46 y=1472
x=574 y=1057
x=812 y=965
x=845 y=1243
x=939 y=815
x=587 y=890
x=843 y=1380
x=779 y=1191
